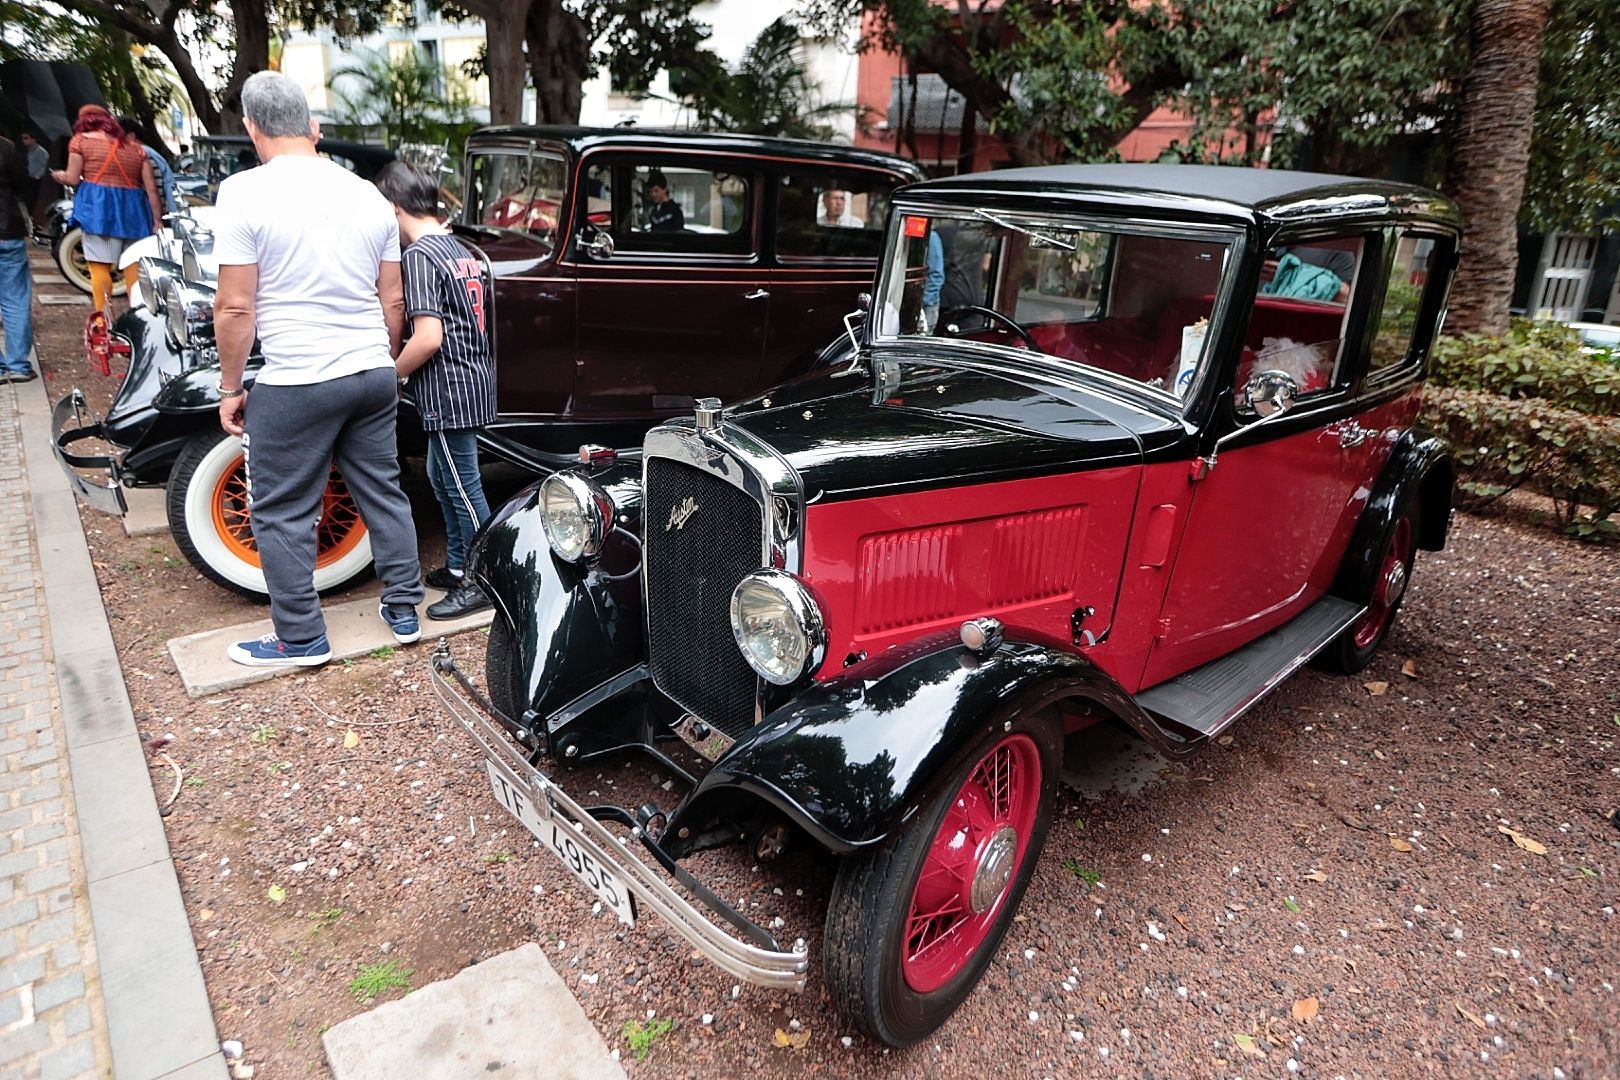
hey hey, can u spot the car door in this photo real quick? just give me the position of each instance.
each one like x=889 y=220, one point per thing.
x=678 y=307
x=1266 y=527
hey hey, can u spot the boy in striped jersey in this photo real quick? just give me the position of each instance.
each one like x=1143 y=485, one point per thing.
x=449 y=368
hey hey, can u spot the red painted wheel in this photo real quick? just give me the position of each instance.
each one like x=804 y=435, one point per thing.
x=1391 y=575
x=912 y=926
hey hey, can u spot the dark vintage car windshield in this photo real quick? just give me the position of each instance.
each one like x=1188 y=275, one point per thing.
x=1135 y=303
x=516 y=189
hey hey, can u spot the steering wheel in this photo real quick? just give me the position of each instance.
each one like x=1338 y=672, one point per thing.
x=992 y=314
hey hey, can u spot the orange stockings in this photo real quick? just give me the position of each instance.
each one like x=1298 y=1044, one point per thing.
x=101 y=282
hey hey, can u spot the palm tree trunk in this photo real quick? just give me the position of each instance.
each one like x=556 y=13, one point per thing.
x=1491 y=156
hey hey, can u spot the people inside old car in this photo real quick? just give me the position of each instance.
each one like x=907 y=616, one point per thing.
x=449 y=368
x=667 y=215
x=834 y=213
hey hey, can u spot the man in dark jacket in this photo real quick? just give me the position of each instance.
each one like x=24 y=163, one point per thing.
x=16 y=286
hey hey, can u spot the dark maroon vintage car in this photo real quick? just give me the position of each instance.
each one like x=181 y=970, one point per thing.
x=1155 y=449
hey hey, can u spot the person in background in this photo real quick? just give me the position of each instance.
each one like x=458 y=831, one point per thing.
x=667 y=215
x=833 y=214
x=160 y=167
x=309 y=265
x=38 y=162
x=933 y=280
x=16 y=286
x=116 y=198
x=450 y=370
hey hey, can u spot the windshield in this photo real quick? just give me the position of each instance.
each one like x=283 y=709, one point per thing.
x=516 y=190
x=1131 y=302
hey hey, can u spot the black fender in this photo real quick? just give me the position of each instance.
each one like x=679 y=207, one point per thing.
x=1420 y=471
x=575 y=626
x=851 y=759
x=196 y=389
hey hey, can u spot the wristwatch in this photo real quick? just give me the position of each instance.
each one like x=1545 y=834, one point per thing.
x=224 y=393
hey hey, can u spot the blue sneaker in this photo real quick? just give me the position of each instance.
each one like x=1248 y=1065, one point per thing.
x=402 y=620
x=271 y=651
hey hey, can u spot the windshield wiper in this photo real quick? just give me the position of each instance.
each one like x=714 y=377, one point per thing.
x=1040 y=239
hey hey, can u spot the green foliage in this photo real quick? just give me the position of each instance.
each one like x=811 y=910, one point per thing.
x=641 y=1037
x=375 y=979
x=636 y=39
x=409 y=100
x=770 y=93
x=264 y=734
x=1073 y=866
x=1535 y=360
x=1574 y=181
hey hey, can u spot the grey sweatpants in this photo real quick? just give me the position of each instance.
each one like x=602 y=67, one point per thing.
x=294 y=433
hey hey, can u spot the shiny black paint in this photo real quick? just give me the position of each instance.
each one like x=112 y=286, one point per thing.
x=850 y=758
x=1419 y=472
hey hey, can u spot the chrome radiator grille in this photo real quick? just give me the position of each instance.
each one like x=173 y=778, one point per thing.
x=702 y=536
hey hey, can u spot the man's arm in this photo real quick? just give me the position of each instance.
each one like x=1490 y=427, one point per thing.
x=391 y=291
x=233 y=334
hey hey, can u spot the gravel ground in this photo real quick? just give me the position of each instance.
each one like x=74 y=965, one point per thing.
x=1334 y=892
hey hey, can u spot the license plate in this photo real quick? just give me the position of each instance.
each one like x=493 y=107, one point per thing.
x=559 y=836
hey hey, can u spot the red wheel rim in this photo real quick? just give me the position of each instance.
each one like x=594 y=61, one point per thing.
x=1390 y=586
x=971 y=864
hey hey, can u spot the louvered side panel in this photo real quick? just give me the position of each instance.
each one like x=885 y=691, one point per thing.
x=906 y=577
x=1034 y=555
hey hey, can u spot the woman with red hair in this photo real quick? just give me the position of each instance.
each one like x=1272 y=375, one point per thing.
x=115 y=199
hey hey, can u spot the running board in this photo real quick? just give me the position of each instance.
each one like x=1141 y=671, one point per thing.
x=1207 y=699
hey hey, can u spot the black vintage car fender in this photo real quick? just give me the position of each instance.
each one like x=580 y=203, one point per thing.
x=849 y=759
x=1420 y=469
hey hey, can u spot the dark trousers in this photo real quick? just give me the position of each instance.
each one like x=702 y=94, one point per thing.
x=294 y=434
x=452 y=468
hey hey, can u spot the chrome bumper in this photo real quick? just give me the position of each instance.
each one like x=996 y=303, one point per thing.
x=773 y=968
x=71 y=422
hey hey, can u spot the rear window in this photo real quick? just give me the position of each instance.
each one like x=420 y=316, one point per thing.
x=827 y=213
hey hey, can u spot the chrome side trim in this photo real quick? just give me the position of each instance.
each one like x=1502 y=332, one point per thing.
x=776 y=969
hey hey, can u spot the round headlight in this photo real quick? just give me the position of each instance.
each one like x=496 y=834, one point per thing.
x=174 y=306
x=777 y=625
x=576 y=515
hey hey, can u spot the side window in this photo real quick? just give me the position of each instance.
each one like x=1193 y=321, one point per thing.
x=1299 y=317
x=823 y=213
x=657 y=207
x=1398 y=320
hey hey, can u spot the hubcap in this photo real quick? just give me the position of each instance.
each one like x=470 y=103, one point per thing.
x=995 y=869
x=1395 y=584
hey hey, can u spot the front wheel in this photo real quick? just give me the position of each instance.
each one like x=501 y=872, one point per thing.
x=210 y=518
x=912 y=925
x=1354 y=649
x=69 y=254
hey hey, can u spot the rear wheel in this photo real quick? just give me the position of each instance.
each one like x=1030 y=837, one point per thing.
x=69 y=254
x=1354 y=649
x=209 y=516
x=912 y=926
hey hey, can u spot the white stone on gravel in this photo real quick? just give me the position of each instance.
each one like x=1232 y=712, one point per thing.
x=1077 y=1036
x=1033 y=1016
x=708 y=1018
x=847 y=1041
x=231 y=1048
x=1156 y=934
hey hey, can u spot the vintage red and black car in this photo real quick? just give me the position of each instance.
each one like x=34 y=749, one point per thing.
x=1156 y=450
x=603 y=325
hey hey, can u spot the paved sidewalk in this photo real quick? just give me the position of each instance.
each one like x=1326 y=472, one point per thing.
x=98 y=969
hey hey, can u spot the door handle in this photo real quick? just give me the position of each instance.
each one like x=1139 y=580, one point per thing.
x=1353 y=434
x=757 y=294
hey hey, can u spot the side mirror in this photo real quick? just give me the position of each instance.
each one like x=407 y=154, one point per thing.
x=596 y=243
x=1268 y=393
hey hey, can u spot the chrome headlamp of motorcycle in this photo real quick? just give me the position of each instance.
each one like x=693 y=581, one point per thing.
x=576 y=515
x=189 y=309
x=153 y=274
x=778 y=626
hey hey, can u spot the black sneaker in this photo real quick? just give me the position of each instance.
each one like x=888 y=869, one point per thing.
x=463 y=600
x=28 y=375
x=443 y=578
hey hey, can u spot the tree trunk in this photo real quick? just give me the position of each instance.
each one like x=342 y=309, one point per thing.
x=252 y=24
x=504 y=28
x=1491 y=157
x=559 y=54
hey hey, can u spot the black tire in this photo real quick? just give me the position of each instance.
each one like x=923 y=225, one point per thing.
x=68 y=251
x=1381 y=592
x=193 y=490
x=501 y=668
x=869 y=912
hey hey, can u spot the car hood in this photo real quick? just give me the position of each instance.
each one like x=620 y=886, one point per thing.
x=944 y=426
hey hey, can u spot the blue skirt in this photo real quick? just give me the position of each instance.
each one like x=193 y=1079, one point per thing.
x=112 y=211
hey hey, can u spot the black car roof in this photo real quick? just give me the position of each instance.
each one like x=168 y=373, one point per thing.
x=586 y=138
x=1208 y=190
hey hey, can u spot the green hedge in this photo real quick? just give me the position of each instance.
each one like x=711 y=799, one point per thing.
x=1502 y=443
x=1534 y=360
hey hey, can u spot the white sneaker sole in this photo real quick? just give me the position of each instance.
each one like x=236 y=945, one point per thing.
x=403 y=639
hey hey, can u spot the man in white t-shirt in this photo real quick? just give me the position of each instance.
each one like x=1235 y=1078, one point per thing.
x=833 y=214
x=309 y=263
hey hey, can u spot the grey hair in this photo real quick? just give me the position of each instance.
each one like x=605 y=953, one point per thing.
x=276 y=105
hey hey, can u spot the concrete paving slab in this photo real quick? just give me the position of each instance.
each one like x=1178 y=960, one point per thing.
x=353 y=628
x=511 y=1015
x=110 y=770
x=63 y=299
x=158 y=1017
x=212 y=1067
x=147 y=516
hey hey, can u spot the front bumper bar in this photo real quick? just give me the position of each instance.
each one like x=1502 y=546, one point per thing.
x=768 y=967
x=72 y=422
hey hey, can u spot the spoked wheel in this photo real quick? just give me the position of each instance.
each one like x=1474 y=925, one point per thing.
x=211 y=520
x=912 y=926
x=1355 y=647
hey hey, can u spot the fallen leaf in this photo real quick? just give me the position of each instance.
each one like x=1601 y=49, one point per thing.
x=1291 y=905
x=798 y=1040
x=1470 y=1017
x=1353 y=821
x=1184 y=924
x=205 y=914
x=1247 y=1044
x=1377 y=689
x=1224 y=740
x=276 y=894
x=1235 y=906
x=351 y=740
x=1409 y=669
x=1316 y=875
x=1398 y=844
x=1520 y=840
x=1305 y=1009
x=1379 y=754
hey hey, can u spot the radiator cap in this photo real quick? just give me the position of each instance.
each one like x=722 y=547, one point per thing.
x=708 y=413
